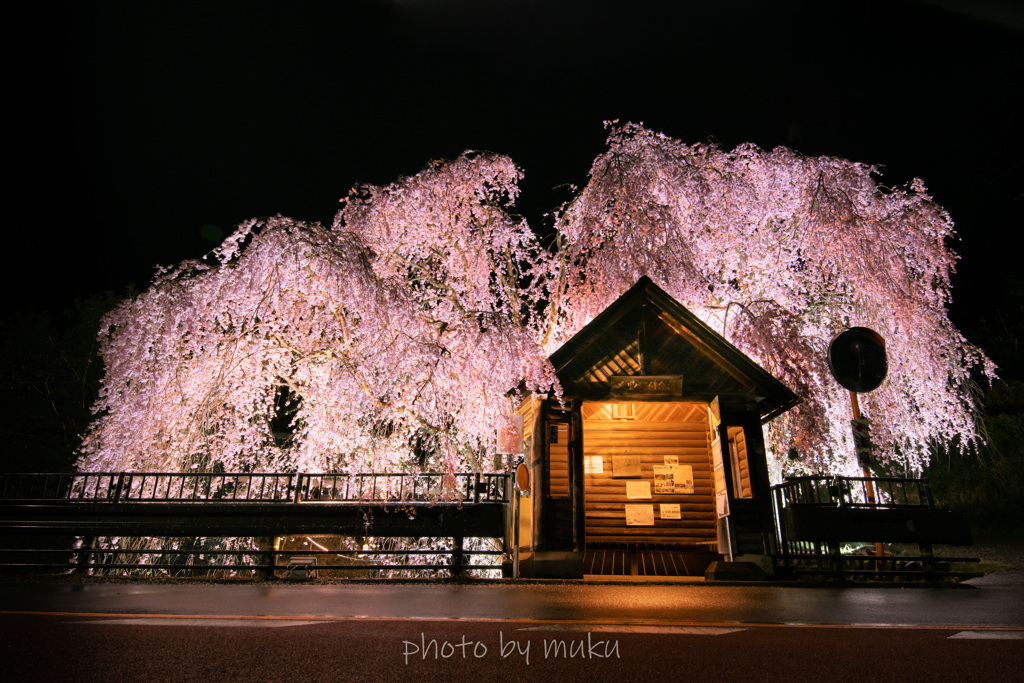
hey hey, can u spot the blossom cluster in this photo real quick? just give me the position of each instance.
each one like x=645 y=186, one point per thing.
x=403 y=334
x=780 y=253
x=384 y=330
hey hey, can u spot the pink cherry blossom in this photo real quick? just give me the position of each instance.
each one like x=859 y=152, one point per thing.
x=779 y=253
x=427 y=310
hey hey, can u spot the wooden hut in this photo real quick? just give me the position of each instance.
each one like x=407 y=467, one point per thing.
x=654 y=461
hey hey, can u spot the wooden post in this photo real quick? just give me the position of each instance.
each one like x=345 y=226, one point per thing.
x=84 y=562
x=268 y=549
x=457 y=569
x=575 y=448
x=869 y=488
x=508 y=540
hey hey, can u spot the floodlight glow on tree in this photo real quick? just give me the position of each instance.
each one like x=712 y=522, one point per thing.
x=779 y=252
x=386 y=327
x=401 y=334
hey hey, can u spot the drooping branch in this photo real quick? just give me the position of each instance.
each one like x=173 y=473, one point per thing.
x=428 y=304
x=805 y=247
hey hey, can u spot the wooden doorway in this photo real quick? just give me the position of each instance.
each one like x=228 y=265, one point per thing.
x=641 y=516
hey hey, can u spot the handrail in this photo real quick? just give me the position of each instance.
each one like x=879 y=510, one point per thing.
x=472 y=487
x=254 y=487
x=852 y=492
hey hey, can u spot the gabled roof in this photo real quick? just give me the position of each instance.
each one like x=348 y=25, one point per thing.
x=647 y=332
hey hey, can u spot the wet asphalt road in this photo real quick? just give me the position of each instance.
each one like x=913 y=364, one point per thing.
x=528 y=631
x=987 y=602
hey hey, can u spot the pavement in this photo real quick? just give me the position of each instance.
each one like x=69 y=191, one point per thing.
x=1010 y=578
x=995 y=601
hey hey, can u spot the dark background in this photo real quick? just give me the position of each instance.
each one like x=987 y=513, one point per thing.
x=140 y=133
x=141 y=123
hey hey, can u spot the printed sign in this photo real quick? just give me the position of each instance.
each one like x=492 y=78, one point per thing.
x=625 y=465
x=510 y=434
x=664 y=481
x=684 y=479
x=639 y=515
x=673 y=479
x=638 y=490
x=670 y=511
x=593 y=464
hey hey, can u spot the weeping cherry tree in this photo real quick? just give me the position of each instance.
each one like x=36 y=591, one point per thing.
x=399 y=336
x=401 y=329
x=779 y=253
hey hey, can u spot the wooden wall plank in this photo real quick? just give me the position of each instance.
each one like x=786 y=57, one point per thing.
x=658 y=431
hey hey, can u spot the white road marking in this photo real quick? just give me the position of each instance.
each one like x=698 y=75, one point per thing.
x=988 y=635
x=624 y=628
x=184 y=621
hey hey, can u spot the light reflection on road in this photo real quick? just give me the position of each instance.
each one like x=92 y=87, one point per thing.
x=555 y=602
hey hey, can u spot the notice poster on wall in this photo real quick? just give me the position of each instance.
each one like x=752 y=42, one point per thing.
x=670 y=511
x=638 y=490
x=673 y=479
x=664 y=479
x=626 y=466
x=639 y=515
x=593 y=464
x=683 y=477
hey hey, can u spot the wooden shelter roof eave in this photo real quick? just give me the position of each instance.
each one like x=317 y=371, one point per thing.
x=565 y=354
x=725 y=355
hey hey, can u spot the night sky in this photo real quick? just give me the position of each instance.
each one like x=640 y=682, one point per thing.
x=142 y=130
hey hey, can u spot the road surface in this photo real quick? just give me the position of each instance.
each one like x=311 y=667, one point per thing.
x=522 y=631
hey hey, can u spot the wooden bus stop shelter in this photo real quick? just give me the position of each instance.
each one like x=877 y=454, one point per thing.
x=654 y=461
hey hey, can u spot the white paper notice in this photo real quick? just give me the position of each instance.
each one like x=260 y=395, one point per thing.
x=638 y=490
x=639 y=515
x=670 y=511
x=683 y=477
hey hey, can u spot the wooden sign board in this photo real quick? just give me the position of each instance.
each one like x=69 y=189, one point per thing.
x=625 y=465
x=647 y=386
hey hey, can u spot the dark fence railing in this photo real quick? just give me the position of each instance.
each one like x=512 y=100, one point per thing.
x=161 y=511
x=816 y=517
x=467 y=487
x=257 y=562
x=888 y=492
x=163 y=487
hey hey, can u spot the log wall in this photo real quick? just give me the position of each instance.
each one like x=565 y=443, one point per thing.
x=740 y=465
x=659 y=429
x=558 y=461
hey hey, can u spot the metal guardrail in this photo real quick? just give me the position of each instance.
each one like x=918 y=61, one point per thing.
x=400 y=488
x=852 y=492
x=157 y=505
x=259 y=487
x=811 y=513
x=265 y=563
